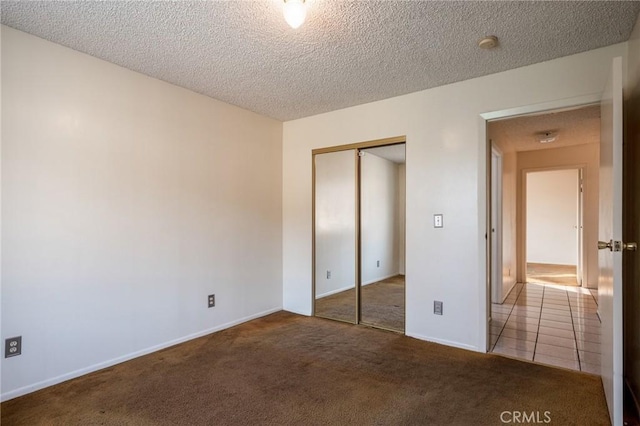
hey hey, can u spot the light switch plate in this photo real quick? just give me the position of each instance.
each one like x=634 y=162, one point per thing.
x=438 y=221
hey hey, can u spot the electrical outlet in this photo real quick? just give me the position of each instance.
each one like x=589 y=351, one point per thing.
x=12 y=346
x=328 y=274
x=378 y=263
x=437 y=307
x=438 y=221
x=211 y=300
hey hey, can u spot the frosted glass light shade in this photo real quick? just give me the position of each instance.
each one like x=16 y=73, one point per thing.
x=294 y=12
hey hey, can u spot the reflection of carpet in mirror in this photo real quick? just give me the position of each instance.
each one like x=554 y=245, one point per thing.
x=553 y=274
x=382 y=304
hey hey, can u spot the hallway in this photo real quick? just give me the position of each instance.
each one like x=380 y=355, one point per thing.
x=550 y=324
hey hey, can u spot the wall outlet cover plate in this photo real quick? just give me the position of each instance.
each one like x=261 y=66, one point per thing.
x=12 y=346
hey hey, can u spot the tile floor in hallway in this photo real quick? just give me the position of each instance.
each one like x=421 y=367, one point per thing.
x=550 y=324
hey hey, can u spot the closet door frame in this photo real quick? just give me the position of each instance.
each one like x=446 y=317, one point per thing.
x=356 y=147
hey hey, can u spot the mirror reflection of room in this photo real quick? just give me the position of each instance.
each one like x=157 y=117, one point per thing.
x=335 y=235
x=382 y=204
x=359 y=216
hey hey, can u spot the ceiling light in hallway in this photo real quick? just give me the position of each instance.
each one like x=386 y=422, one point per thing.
x=547 y=137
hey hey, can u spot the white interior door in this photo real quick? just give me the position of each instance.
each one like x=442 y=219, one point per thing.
x=610 y=232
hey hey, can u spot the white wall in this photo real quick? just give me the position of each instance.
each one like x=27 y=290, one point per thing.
x=633 y=63
x=379 y=218
x=552 y=217
x=509 y=223
x=125 y=202
x=446 y=173
x=402 y=170
x=585 y=156
x=335 y=222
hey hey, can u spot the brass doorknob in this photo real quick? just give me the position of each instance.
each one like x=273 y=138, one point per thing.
x=602 y=245
x=630 y=246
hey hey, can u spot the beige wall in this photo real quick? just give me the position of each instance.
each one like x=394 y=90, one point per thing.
x=401 y=216
x=586 y=156
x=379 y=218
x=335 y=227
x=446 y=173
x=125 y=202
x=509 y=229
x=633 y=61
x=552 y=217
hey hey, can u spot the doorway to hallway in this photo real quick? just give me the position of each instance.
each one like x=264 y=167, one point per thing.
x=545 y=236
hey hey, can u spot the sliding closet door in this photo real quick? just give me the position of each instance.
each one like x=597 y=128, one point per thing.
x=382 y=295
x=335 y=279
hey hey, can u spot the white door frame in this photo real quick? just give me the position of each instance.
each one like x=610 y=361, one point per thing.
x=484 y=242
x=496 y=225
x=580 y=241
x=580 y=249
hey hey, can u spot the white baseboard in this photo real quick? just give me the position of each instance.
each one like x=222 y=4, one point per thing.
x=341 y=289
x=445 y=342
x=380 y=279
x=81 y=372
x=506 y=294
x=338 y=290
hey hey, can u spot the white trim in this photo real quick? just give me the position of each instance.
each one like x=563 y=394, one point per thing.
x=446 y=342
x=496 y=228
x=506 y=293
x=577 y=101
x=381 y=278
x=341 y=289
x=483 y=282
x=338 y=290
x=81 y=372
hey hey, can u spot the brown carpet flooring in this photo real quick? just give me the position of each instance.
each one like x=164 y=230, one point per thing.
x=286 y=369
x=553 y=274
x=382 y=304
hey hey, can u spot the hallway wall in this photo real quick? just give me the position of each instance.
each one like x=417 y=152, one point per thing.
x=552 y=217
x=587 y=156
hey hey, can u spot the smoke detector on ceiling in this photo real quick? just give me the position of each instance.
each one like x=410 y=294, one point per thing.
x=488 y=42
x=547 y=137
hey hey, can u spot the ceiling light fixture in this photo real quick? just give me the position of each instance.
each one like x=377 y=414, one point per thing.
x=547 y=137
x=488 y=42
x=295 y=12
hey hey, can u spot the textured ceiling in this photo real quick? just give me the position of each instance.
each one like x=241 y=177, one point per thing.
x=347 y=53
x=573 y=127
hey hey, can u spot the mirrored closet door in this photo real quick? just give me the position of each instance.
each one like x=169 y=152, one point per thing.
x=359 y=235
x=335 y=235
x=382 y=193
